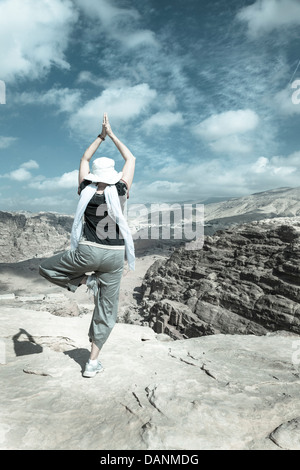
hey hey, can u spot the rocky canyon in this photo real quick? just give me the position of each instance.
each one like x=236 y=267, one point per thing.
x=205 y=354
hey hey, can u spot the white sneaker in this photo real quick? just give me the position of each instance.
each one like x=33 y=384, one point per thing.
x=91 y=371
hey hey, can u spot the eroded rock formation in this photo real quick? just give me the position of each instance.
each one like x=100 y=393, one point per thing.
x=244 y=280
x=28 y=235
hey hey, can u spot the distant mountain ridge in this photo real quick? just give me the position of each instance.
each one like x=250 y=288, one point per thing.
x=281 y=202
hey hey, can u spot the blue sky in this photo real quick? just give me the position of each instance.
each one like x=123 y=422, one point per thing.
x=200 y=91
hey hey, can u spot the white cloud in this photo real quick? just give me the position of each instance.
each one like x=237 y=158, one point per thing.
x=286 y=101
x=277 y=166
x=118 y=23
x=86 y=76
x=264 y=16
x=6 y=142
x=231 y=144
x=220 y=177
x=64 y=99
x=163 y=120
x=22 y=173
x=61 y=202
x=58 y=203
x=106 y=11
x=66 y=181
x=30 y=165
x=285 y=166
x=139 y=38
x=225 y=132
x=34 y=36
x=260 y=165
x=121 y=105
x=226 y=124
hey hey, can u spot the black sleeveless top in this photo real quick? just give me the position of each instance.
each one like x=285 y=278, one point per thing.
x=98 y=225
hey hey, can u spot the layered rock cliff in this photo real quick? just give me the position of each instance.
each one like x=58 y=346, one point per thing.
x=244 y=280
x=29 y=235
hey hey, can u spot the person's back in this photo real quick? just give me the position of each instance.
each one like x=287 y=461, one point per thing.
x=99 y=227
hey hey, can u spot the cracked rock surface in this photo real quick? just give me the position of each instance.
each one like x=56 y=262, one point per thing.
x=212 y=392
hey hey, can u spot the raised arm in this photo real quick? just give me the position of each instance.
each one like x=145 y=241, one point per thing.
x=129 y=166
x=84 y=167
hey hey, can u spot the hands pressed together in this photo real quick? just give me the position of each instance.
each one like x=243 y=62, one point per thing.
x=106 y=129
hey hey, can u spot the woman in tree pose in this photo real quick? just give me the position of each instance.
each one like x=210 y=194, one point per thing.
x=99 y=240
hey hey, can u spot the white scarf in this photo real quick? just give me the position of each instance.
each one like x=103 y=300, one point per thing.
x=114 y=211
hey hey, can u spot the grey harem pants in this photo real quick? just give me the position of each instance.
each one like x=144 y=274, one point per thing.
x=67 y=270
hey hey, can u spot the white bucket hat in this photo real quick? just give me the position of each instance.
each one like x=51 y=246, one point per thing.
x=103 y=171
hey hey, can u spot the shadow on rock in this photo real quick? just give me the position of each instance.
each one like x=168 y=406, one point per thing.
x=80 y=355
x=27 y=346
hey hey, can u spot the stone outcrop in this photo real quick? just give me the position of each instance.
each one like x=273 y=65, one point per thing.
x=245 y=280
x=29 y=235
x=227 y=392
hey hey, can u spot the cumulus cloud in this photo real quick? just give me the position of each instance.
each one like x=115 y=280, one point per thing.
x=222 y=131
x=278 y=169
x=6 y=142
x=68 y=180
x=22 y=173
x=56 y=203
x=64 y=99
x=30 y=165
x=286 y=165
x=121 y=24
x=139 y=38
x=63 y=203
x=221 y=177
x=260 y=165
x=106 y=11
x=121 y=101
x=231 y=144
x=163 y=120
x=287 y=101
x=34 y=36
x=121 y=104
x=86 y=76
x=227 y=123
x=264 y=16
